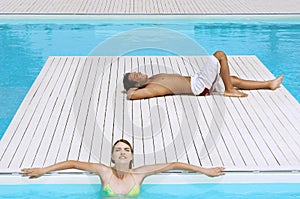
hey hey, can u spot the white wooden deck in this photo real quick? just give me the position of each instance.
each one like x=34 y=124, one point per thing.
x=149 y=7
x=76 y=109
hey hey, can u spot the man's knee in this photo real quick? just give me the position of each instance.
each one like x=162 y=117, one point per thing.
x=234 y=79
x=220 y=55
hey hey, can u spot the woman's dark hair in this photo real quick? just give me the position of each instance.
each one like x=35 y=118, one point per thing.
x=127 y=143
x=128 y=83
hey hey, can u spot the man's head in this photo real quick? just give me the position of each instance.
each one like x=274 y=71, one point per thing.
x=134 y=80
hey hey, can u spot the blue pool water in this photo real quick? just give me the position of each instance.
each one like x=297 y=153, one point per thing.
x=25 y=46
x=149 y=191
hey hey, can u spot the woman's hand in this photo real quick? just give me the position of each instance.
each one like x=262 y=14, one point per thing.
x=33 y=172
x=213 y=172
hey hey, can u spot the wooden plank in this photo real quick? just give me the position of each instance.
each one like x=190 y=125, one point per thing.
x=117 y=89
x=181 y=146
x=119 y=101
x=127 y=113
x=10 y=6
x=44 y=133
x=216 y=139
x=254 y=129
x=153 y=8
x=84 y=7
x=100 y=103
x=48 y=149
x=117 y=6
x=165 y=117
x=99 y=7
x=169 y=121
x=148 y=133
x=109 y=111
x=106 y=6
x=236 y=124
x=83 y=103
x=111 y=6
x=129 y=7
x=101 y=114
x=33 y=6
x=200 y=145
x=92 y=7
x=223 y=115
x=84 y=150
x=22 y=7
x=157 y=129
x=260 y=111
x=46 y=7
x=190 y=124
x=70 y=131
x=139 y=158
x=40 y=117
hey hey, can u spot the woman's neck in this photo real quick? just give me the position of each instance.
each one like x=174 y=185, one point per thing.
x=121 y=171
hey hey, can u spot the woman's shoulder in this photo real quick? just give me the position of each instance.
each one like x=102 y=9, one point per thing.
x=103 y=167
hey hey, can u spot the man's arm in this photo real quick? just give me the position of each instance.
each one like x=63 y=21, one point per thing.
x=146 y=92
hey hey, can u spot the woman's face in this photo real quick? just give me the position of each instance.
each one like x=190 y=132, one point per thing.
x=122 y=153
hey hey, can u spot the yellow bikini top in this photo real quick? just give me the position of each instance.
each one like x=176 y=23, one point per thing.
x=133 y=193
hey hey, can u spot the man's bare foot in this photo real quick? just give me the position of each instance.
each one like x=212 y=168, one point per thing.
x=275 y=83
x=235 y=93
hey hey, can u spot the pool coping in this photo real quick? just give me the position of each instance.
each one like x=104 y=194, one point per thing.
x=114 y=7
x=295 y=16
x=163 y=178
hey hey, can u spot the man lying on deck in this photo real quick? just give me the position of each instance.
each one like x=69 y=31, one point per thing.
x=207 y=81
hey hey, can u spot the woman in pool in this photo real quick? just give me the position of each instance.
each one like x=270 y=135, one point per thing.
x=121 y=180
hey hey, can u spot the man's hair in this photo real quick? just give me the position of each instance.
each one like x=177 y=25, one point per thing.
x=128 y=83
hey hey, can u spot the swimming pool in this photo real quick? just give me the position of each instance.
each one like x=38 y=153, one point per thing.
x=182 y=186
x=166 y=191
x=23 y=53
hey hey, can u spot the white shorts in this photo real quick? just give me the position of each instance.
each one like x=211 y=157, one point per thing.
x=208 y=78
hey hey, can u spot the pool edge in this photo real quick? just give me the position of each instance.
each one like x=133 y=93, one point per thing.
x=164 y=178
x=4 y=16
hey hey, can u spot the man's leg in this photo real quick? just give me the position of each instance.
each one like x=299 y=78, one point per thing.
x=250 y=85
x=225 y=74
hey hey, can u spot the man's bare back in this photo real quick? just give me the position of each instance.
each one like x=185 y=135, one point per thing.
x=171 y=83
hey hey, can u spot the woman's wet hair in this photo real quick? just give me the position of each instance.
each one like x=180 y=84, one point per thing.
x=125 y=142
x=128 y=83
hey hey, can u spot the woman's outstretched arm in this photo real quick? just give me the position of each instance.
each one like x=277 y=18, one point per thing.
x=70 y=164
x=158 y=168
